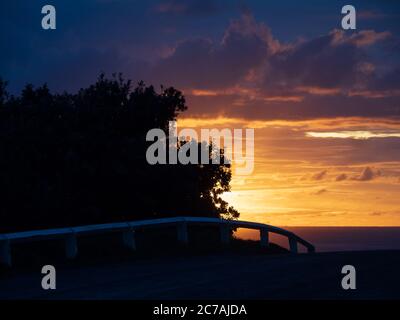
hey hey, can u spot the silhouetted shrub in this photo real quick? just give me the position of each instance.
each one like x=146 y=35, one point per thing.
x=73 y=159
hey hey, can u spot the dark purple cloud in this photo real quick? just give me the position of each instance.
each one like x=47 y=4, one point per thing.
x=249 y=56
x=205 y=64
x=256 y=76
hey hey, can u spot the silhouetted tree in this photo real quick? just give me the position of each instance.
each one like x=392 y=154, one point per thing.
x=70 y=159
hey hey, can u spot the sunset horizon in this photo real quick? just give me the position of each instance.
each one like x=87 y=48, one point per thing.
x=200 y=158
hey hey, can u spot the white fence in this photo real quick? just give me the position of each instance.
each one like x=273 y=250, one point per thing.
x=127 y=229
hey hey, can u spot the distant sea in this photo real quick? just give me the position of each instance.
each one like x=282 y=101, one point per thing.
x=329 y=239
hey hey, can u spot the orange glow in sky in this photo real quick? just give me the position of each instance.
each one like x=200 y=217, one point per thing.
x=324 y=172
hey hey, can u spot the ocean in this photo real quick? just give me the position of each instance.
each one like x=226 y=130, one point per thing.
x=330 y=239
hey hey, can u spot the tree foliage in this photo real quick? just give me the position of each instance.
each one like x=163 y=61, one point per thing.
x=73 y=159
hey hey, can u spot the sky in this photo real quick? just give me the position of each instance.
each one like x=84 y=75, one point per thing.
x=324 y=102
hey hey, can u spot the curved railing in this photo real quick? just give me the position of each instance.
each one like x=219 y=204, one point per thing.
x=127 y=229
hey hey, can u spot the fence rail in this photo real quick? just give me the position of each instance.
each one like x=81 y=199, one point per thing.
x=127 y=229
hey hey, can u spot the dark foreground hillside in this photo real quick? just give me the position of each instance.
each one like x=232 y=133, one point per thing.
x=219 y=276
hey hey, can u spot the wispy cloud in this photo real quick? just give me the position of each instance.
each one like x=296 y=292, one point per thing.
x=319 y=192
x=358 y=135
x=370 y=15
x=320 y=175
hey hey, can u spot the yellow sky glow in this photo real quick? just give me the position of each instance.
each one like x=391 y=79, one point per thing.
x=301 y=178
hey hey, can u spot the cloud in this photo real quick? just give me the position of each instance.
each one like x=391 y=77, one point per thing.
x=359 y=39
x=251 y=74
x=370 y=15
x=319 y=192
x=341 y=177
x=367 y=175
x=389 y=81
x=205 y=64
x=358 y=135
x=319 y=63
x=320 y=175
x=319 y=91
x=330 y=64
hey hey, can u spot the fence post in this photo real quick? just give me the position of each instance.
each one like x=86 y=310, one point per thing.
x=225 y=234
x=183 y=233
x=71 y=246
x=5 y=253
x=293 y=244
x=264 y=237
x=128 y=239
x=311 y=249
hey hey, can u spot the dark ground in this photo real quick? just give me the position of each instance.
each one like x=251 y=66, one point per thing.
x=229 y=275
